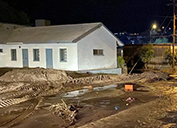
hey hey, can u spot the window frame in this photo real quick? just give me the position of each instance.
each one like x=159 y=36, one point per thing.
x=13 y=54
x=36 y=55
x=64 y=57
x=98 y=52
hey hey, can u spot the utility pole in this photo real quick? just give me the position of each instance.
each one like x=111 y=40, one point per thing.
x=174 y=31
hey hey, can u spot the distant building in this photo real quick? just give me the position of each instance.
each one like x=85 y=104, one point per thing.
x=131 y=38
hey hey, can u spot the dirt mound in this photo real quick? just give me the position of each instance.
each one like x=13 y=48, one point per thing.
x=149 y=76
x=153 y=76
x=35 y=74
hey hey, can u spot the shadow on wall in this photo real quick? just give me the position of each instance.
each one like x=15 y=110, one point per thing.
x=138 y=68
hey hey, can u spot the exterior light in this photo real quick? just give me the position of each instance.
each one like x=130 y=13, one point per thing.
x=154 y=26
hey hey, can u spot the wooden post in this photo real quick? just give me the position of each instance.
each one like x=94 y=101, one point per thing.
x=174 y=32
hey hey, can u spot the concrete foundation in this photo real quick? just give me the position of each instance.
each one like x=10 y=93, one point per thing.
x=104 y=71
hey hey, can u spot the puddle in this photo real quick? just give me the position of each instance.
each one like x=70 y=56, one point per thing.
x=78 y=95
x=113 y=86
x=75 y=93
x=104 y=103
x=110 y=90
x=81 y=92
x=109 y=97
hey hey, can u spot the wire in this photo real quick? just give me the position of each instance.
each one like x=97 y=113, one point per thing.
x=165 y=28
x=163 y=21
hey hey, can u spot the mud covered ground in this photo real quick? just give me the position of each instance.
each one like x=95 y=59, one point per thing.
x=99 y=102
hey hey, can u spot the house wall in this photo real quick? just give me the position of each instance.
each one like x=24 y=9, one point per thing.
x=99 y=39
x=71 y=64
x=5 y=57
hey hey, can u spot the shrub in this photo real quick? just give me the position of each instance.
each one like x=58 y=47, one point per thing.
x=120 y=62
x=146 y=53
x=169 y=56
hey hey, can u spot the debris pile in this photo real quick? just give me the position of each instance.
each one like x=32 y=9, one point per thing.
x=154 y=76
x=35 y=74
x=144 y=77
x=87 y=80
x=130 y=99
x=68 y=113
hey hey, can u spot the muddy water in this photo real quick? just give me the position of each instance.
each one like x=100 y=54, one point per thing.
x=101 y=102
x=105 y=96
x=93 y=104
x=83 y=93
x=15 y=113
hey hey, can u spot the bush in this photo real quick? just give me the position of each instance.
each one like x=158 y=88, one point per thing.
x=169 y=56
x=120 y=62
x=146 y=53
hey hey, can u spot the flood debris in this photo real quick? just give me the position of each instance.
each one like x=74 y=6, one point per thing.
x=67 y=112
x=130 y=99
x=116 y=108
x=154 y=76
x=88 y=87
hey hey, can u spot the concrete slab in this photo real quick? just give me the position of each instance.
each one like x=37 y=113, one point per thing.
x=104 y=71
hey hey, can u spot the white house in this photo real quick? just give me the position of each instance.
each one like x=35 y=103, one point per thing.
x=67 y=47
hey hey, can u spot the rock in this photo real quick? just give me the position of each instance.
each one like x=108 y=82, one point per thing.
x=142 y=89
x=88 y=87
x=144 y=123
x=142 y=80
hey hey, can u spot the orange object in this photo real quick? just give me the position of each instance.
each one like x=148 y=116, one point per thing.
x=129 y=88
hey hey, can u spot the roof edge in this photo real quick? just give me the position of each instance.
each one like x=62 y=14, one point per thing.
x=87 y=33
x=120 y=43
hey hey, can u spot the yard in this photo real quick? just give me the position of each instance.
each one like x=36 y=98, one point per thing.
x=34 y=97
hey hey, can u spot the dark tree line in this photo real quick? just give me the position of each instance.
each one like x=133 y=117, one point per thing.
x=11 y=15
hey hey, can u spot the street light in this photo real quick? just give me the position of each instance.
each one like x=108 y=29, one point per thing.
x=154 y=26
x=153 y=31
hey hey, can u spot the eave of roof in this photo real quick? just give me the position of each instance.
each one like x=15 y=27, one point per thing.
x=50 y=34
x=71 y=33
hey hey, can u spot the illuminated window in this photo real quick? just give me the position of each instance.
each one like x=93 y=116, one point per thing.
x=13 y=54
x=63 y=55
x=98 y=52
x=1 y=50
x=35 y=54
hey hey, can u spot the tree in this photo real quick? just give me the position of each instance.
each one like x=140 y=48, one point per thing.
x=10 y=15
x=146 y=53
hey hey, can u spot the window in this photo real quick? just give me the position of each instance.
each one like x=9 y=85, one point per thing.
x=63 y=55
x=1 y=50
x=97 y=51
x=13 y=55
x=35 y=54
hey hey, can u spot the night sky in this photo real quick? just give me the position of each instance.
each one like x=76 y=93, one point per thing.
x=117 y=15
